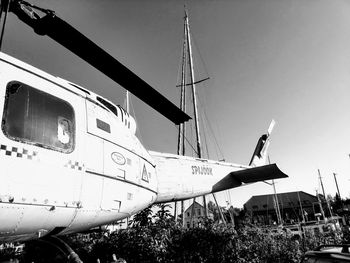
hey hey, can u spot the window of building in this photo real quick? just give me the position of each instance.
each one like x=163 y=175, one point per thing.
x=36 y=117
x=199 y=212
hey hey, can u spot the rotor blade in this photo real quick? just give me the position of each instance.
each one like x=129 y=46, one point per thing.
x=272 y=125
x=76 y=42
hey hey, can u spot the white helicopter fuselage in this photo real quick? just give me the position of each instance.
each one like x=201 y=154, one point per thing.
x=94 y=170
x=70 y=160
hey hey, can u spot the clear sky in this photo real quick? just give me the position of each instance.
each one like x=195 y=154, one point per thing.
x=283 y=59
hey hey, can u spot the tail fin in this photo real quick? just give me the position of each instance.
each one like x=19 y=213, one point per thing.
x=259 y=157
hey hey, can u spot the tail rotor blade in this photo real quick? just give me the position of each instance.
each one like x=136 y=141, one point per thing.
x=272 y=125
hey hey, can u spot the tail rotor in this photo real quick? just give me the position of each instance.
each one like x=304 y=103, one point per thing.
x=260 y=153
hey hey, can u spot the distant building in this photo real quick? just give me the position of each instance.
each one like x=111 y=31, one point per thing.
x=198 y=215
x=121 y=224
x=294 y=207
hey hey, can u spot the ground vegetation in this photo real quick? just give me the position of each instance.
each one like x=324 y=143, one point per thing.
x=155 y=236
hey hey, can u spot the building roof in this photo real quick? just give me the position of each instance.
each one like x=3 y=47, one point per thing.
x=196 y=205
x=285 y=200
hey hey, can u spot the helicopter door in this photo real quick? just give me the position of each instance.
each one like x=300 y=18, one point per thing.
x=93 y=181
x=95 y=120
x=101 y=134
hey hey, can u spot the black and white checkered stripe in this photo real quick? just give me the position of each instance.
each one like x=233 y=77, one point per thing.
x=18 y=152
x=33 y=155
x=74 y=165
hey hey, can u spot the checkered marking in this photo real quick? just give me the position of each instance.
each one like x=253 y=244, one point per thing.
x=19 y=152
x=74 y=165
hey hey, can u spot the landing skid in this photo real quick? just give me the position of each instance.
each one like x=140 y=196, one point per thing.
x=50 y=249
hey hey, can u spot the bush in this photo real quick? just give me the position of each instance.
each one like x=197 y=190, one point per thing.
x=209 y=244
x=254 y=244
x=7 y=251
x=213 y=243
x=159 y=238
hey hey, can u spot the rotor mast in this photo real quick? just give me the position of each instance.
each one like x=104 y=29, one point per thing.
x=127 y=106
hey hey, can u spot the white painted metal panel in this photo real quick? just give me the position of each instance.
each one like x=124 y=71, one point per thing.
x=97 y=113
x=93 y=151
x=117 y=161
x=182 y=177
x=112 y=194
x=91 y=193
x=54 y=177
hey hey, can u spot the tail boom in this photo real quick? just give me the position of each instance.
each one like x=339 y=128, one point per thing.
x=182 y=177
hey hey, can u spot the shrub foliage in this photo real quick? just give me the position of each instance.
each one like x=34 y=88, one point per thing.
x=159 y=238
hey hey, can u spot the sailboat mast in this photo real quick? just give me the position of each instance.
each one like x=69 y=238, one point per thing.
x=301 y=208
x=277 y=206
x=182 y=126
x=324 y=194
x=193 y=87
x=194 y=98
x=320 y=204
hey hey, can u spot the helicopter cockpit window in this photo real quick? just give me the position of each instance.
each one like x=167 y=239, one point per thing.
x=36 y=117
